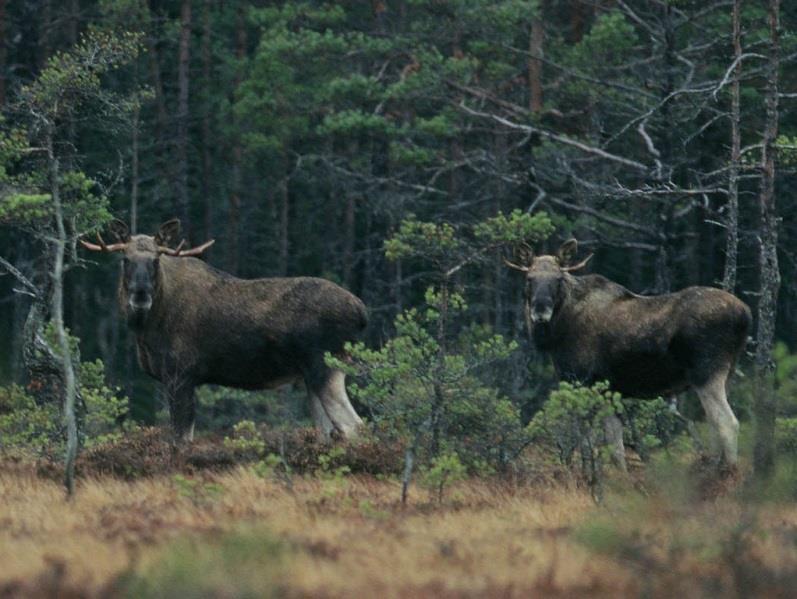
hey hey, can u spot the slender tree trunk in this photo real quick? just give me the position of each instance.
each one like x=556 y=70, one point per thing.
x=536 y=40
x=237 y=150
x=183 y=83
x=45 y=33
x=57 y=317
x=732 y=214
x=766 y=405
x=134 y=174
x=3 y=54
x=208 y=83
x=284 y=215
x=348 y=240
x=164 y=163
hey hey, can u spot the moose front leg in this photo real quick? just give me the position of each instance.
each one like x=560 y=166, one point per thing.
x=182 y=410
x=320 y=417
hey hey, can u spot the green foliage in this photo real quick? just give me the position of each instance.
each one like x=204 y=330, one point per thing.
x=245 y=439
x=443 y=470
x=414 y=392
x=785 y=379
x=199 y=492
x=273 y=466
x=518 y=227
x=328 y=467
x=26 y=426
x=651 y=424
x=786 y=436
x=236 y=564
x=434 y=242
x=573 y=420
x=36 y=429
x=107 y=411
x=609 y=42
x=70 y=79
x=574 y=415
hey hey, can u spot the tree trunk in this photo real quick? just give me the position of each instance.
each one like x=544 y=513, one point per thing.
x=284 y=215
x=536 y=39
x=732 y=214
x=163 y=162
x=134 y=168
x=183 y=82
x=348 y=240
x=237 y=150
x=57 y=318
x=765 y=405
x=3 y=55
x=208 y=84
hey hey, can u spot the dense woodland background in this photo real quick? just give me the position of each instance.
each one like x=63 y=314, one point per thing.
x=300 y=134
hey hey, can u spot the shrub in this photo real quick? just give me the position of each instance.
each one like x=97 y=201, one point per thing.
x=573 y=420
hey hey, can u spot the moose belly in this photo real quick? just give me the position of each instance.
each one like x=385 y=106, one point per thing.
x=647 y=375
x=257 y=368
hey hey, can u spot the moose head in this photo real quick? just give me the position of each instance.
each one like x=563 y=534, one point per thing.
x=141 y=274
x=546 y=279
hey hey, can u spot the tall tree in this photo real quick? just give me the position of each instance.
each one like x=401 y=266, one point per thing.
x=732 y=209
x=769 y=271
x=182 y=116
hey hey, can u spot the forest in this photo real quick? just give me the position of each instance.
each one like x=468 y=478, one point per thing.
x=411 y=152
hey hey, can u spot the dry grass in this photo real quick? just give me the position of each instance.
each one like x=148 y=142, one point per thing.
x=351 y=538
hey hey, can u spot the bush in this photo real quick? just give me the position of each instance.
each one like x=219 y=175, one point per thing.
x=26 y=427
x=35 y=428
x=432 y=397
x=572 y=420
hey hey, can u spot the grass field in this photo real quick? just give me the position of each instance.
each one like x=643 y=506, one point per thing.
x=236 y=534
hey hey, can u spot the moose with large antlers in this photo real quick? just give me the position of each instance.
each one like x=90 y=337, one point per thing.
x=196 y=325
x=645 y=346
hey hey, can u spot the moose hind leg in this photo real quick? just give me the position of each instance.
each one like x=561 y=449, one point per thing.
x=720 y=416
x=329 y=387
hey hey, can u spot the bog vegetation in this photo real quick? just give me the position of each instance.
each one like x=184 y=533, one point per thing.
x=404 y=149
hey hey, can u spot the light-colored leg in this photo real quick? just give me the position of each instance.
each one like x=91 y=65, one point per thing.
x=320 y=417
x=336 y=404
x=614 y=438
x=720 y=417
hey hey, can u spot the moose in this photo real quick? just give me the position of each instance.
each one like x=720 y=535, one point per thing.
x=195 y=325
x=644 y=346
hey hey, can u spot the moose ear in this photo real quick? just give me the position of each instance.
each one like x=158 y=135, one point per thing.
x=567 y=252
x=168 y=232
x=524 y=254
x=119 y=231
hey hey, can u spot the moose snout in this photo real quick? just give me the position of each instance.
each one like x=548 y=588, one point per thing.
x=141 y=299
x=541 y=312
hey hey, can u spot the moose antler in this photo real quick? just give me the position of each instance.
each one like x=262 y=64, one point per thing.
x=179 y=252
x=516 y=266
x=525 y=254
x=103 y=247
x=578 y=266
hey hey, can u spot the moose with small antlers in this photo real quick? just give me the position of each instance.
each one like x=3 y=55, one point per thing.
x=644 y=346
x=197 y=325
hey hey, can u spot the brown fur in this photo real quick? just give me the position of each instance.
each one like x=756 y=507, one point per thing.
x=206 y=326
x=645 y=346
